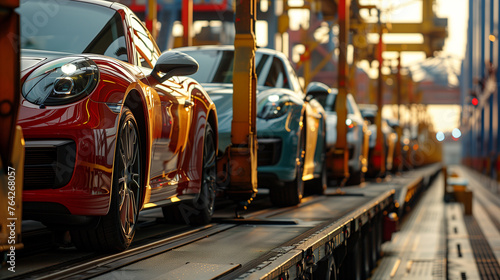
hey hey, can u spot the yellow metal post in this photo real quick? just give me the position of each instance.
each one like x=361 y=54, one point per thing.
x=152 y=18
x=11 y=143
x=341 y=108
x=243 y=150
x=399 y=128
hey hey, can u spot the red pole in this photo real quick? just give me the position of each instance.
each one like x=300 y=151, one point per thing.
x=9 y=99
x=187 y=22
x=378 y=156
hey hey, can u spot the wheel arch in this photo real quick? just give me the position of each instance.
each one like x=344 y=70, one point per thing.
x=136 y=104
x=303 y=132
x=322 y=141
x=212 y=119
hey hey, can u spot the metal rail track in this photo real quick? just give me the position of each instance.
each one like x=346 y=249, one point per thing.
x=486 y=261
x=96 y=264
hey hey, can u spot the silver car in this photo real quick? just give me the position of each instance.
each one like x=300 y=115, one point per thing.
x=356 y=138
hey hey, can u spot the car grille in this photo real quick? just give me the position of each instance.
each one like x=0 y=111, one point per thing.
x=269 y=151
x=48 y=164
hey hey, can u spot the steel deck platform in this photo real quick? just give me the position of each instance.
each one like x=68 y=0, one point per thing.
x=266 y=251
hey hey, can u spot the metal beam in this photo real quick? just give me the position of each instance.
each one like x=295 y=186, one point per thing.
x=405 y=28
x=433 y=29
x=407 y=48
x=399 y=28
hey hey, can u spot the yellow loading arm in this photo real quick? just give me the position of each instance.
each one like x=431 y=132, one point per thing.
x=243 y=149
x=151 y=18
x=341 y=108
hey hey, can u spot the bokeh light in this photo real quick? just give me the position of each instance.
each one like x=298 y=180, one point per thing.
x=456 y=133
x=440 y=136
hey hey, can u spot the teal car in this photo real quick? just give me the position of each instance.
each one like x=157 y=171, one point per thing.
x=290 y=124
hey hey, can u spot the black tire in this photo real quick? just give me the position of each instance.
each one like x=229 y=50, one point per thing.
x=291 y=193
x=355 y=178
x=318 y=185
x=115 y=231
x=200 y=210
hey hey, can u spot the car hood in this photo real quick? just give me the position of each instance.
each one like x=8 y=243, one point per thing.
x=222 y=96
x=30 y=114
x=30 y=58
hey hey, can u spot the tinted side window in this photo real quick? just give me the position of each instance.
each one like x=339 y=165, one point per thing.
x=224 y=73
x=350 y=110
x=331 y=102
x=143 y=44
x=294 y=81
x=208 y=61
x=353 y=107
x=276 y=76
x=216 y=66
x=111 y=40
x=323 y=101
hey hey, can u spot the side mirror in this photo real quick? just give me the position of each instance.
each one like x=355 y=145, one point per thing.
x=317 y=90
x=174 y=63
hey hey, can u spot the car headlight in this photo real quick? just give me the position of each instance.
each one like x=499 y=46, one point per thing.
x=350 y=124
x=61 y=81
x=273 y=106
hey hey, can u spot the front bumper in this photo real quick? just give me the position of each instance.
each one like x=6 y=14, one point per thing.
x=69 y=159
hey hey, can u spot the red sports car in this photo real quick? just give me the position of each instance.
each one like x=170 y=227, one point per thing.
x=110 y=127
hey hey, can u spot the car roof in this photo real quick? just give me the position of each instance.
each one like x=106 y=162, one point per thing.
x=96 y=2
x=226 y=48
x=368 y=107
x=104 y=3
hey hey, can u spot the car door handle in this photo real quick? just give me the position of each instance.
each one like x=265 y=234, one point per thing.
x=188 y=103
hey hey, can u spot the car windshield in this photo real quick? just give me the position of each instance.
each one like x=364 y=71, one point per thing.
x=216 y=66
x=72 y=27
x=328 y=101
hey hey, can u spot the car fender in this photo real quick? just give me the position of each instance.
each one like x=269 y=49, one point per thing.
x=204 y=111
